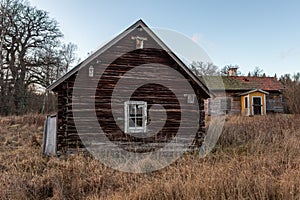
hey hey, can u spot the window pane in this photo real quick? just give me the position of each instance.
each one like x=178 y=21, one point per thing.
x=246 y=102
x=257 y=101
x=132 y=110
x=139 y=110
x=139 y=122
x=131 y=122
x=223 y=104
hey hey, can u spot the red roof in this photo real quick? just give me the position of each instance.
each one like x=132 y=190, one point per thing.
x=263 y=83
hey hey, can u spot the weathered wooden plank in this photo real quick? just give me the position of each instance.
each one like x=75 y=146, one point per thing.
x=117 y=61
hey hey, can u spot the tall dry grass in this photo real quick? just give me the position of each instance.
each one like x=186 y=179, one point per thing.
x=255 y=158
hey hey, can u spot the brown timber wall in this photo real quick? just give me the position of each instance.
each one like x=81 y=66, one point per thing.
x=228 y=103
x=275 y=102
x=117 y=61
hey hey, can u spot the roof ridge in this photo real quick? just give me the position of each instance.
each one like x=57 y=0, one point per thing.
x=120 y=36
x=244 y=83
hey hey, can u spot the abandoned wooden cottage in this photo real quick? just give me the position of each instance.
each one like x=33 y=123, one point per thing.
x=98 y=76
x=244 y=95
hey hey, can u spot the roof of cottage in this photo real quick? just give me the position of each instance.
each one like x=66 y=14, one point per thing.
x=243 y=83
x=138 y=24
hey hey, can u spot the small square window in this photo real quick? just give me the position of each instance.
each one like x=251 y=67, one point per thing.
x=135 y=116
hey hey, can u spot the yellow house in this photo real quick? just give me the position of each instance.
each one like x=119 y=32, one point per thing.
x=253 y=102
x=244 y=95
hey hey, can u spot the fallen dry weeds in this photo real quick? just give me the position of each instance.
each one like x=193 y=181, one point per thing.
x=255 y=158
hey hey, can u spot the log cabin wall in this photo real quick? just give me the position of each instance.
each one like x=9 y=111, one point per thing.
x=235 y=103
x=118 y=60
x=228 y=103
x=275 y=102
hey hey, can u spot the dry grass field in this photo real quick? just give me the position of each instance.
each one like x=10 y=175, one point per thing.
x=255 y=158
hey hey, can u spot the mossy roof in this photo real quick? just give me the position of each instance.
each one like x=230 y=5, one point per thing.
x=241 y=83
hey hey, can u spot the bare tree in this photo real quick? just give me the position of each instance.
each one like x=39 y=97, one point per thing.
x=204 y=69
x=68 y=56
x=225 y=70
x=31 y=50
x=258 y=72
x=5 y=88
x=291 y=92
x=53 y=63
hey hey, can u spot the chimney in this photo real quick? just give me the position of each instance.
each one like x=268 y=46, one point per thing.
x=232 y=71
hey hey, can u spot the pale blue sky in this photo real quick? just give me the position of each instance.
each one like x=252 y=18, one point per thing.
x=253 y=33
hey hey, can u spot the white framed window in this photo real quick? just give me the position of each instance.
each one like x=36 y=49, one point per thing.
x=135 y=116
